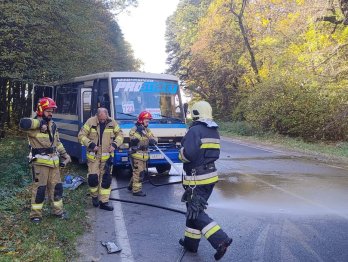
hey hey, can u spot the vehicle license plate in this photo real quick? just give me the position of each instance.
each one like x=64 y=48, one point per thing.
x=156 y=156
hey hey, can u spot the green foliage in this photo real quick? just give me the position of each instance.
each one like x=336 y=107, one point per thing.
x=181 y=32
x=44 y=41
x=298 y=85
x=20 y=239
x=240 y=128
x=15 y=174
x=291 y=108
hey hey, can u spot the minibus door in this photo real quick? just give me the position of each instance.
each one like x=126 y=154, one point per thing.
x=86 y=104
x=100 y=95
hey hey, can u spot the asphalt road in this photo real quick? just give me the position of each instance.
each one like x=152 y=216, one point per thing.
x=277 y=206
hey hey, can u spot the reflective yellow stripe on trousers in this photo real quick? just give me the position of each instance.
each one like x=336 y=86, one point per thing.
x=104 y=191
x=36 y=206
x=210 y=229
x=192 y=233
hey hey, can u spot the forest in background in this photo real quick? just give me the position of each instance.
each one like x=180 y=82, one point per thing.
x=279 y=65
x=42 y=41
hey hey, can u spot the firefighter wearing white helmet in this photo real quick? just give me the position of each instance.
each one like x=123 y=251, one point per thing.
x=202 y=111
x=200 y=149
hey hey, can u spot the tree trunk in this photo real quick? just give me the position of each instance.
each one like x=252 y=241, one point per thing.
x=3 y=105
x=8 y=102
x=245 y=37
x=28 y=101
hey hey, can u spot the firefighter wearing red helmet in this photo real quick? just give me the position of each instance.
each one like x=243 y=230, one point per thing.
x=46 y=152
x=141 y=138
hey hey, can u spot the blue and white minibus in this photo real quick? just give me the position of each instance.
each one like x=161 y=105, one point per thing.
x=125 y=95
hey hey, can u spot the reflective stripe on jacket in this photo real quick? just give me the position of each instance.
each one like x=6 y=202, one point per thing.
x=90 y=133
x=39 y=141
x=140 y=148
x=200 y=149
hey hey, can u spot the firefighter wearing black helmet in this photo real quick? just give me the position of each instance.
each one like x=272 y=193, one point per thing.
x=200 y=149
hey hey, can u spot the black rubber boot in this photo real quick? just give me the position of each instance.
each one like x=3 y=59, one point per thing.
x=182 y=243
x=64 y=215
x=129 y=188
x=95 y=201
x=105 y=206
x=36 y=220
x=221 y=250
x=140 y=193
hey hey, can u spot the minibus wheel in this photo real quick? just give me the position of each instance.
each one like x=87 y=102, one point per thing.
x=163 y=169
x=121 y=172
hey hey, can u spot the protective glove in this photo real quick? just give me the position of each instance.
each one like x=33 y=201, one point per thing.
x=65 y=160
x=134 y=142
x=200 y=202
x=113 y=147
x=152 y=142
x=108 y=165
x=92 y=146
x=140 y=129
x=192 y=212
x=187 y=194
x=195 y=203
x=195 y=206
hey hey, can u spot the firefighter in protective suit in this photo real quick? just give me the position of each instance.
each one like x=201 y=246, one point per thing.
x=46 y=151
x=140 y=138
x=200 y=149
x=101 y=135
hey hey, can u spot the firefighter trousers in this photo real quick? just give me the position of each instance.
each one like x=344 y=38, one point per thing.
x=139 y=169
x=203 y=225
x=46 y=178
x=99 y=181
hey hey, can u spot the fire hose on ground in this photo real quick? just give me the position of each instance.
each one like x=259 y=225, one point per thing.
x=183 y=252
x=156 y=185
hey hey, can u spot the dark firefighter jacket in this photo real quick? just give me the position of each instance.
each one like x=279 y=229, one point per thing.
x=200 y=149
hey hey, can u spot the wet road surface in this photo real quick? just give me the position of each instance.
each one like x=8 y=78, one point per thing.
x=265 y=181
x=275 y=205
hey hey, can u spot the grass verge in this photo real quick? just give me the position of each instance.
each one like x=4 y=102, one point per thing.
x=336 y=151
x=21 y=240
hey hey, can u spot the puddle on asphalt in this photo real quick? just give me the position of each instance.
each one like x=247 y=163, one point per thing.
x=282 y=193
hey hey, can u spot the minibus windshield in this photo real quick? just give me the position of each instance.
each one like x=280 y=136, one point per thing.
x=159 y=97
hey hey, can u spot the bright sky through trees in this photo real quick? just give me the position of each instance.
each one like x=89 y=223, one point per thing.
x=144 y=28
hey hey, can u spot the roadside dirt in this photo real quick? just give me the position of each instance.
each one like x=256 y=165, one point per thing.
x=86 y=244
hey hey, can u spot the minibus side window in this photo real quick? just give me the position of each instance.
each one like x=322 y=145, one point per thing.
x=67 y=99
